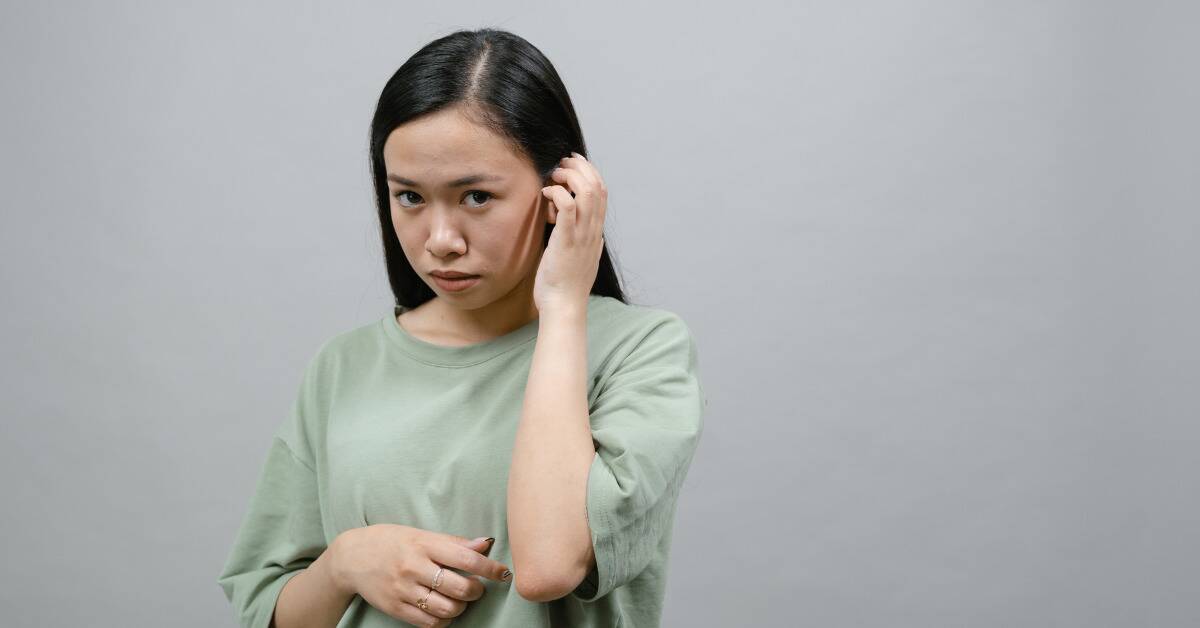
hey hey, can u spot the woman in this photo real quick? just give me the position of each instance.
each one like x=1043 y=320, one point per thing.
x=504 y=449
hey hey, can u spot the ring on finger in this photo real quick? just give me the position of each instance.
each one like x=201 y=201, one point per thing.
x=437 y=578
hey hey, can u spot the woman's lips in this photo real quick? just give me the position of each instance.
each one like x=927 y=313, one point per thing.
x=455 y=285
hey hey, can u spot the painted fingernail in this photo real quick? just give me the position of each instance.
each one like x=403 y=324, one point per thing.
x=506 y=576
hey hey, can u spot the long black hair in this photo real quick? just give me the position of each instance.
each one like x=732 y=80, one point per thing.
x=507 y=85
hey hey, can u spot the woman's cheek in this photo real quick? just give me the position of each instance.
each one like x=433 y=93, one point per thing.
x=404 y=237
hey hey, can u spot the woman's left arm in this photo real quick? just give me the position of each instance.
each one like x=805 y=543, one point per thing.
x=553 y=451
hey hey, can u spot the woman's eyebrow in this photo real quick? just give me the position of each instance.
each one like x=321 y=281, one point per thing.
x=459 y=182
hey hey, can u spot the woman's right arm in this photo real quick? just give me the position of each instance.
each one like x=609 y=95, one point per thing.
x=314 y=598
x=377 y=562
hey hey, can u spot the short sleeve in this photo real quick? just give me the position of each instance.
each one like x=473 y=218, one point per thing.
x=282 y=531
x=280 y=535
x=646 y=423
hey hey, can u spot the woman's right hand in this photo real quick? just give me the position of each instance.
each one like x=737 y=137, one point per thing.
x=392 y=567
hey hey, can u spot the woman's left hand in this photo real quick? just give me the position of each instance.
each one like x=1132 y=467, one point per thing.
x=572 y=257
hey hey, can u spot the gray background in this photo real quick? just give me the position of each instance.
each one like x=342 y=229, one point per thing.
x=939 y=257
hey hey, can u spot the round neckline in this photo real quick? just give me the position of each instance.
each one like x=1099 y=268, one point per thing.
x=460 y=355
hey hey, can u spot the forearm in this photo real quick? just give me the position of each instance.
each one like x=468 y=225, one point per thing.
x=552 y=453
x=312 y=599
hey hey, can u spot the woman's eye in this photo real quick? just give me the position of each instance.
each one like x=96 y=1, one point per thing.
x=400 y=196
x=473 y=192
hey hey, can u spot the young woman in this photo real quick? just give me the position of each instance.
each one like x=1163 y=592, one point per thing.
x=504 y=449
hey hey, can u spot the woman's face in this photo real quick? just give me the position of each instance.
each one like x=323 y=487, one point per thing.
x=491 y=227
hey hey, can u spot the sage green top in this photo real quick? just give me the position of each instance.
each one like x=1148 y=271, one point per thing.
x=388 y=428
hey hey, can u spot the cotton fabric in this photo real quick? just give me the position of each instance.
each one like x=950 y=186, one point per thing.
x=388 y=428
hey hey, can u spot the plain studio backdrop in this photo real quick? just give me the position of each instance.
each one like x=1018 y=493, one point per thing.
x=940 y=259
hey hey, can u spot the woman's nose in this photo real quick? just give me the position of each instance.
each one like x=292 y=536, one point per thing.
x=444 y=236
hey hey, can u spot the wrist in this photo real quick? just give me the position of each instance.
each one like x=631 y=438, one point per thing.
x=330 y=565
x=562 y=314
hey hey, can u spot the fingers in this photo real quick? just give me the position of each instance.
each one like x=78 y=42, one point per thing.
x=563 y=203
x=453 y=585
x=580 y=179
x=581 y=163
x=409 y=612
x=586 y=186
x=575 y=179
x=459 y=557
x=436 y=604
x=440 y=605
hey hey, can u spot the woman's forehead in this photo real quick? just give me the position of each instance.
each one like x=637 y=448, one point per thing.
x=447 y=145
x=443 y=134
x=443 y=155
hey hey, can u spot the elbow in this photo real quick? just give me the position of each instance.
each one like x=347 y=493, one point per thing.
x=541 y=589
x=544 y=586
x=540 y=578
x=536 y=590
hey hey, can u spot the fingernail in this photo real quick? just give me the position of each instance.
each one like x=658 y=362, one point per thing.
x=506 y=576
x=491 y=541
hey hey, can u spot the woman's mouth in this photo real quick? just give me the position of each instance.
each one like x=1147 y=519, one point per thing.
x=455 y=285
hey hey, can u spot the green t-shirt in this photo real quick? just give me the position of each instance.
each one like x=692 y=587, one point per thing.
x=388 y=428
